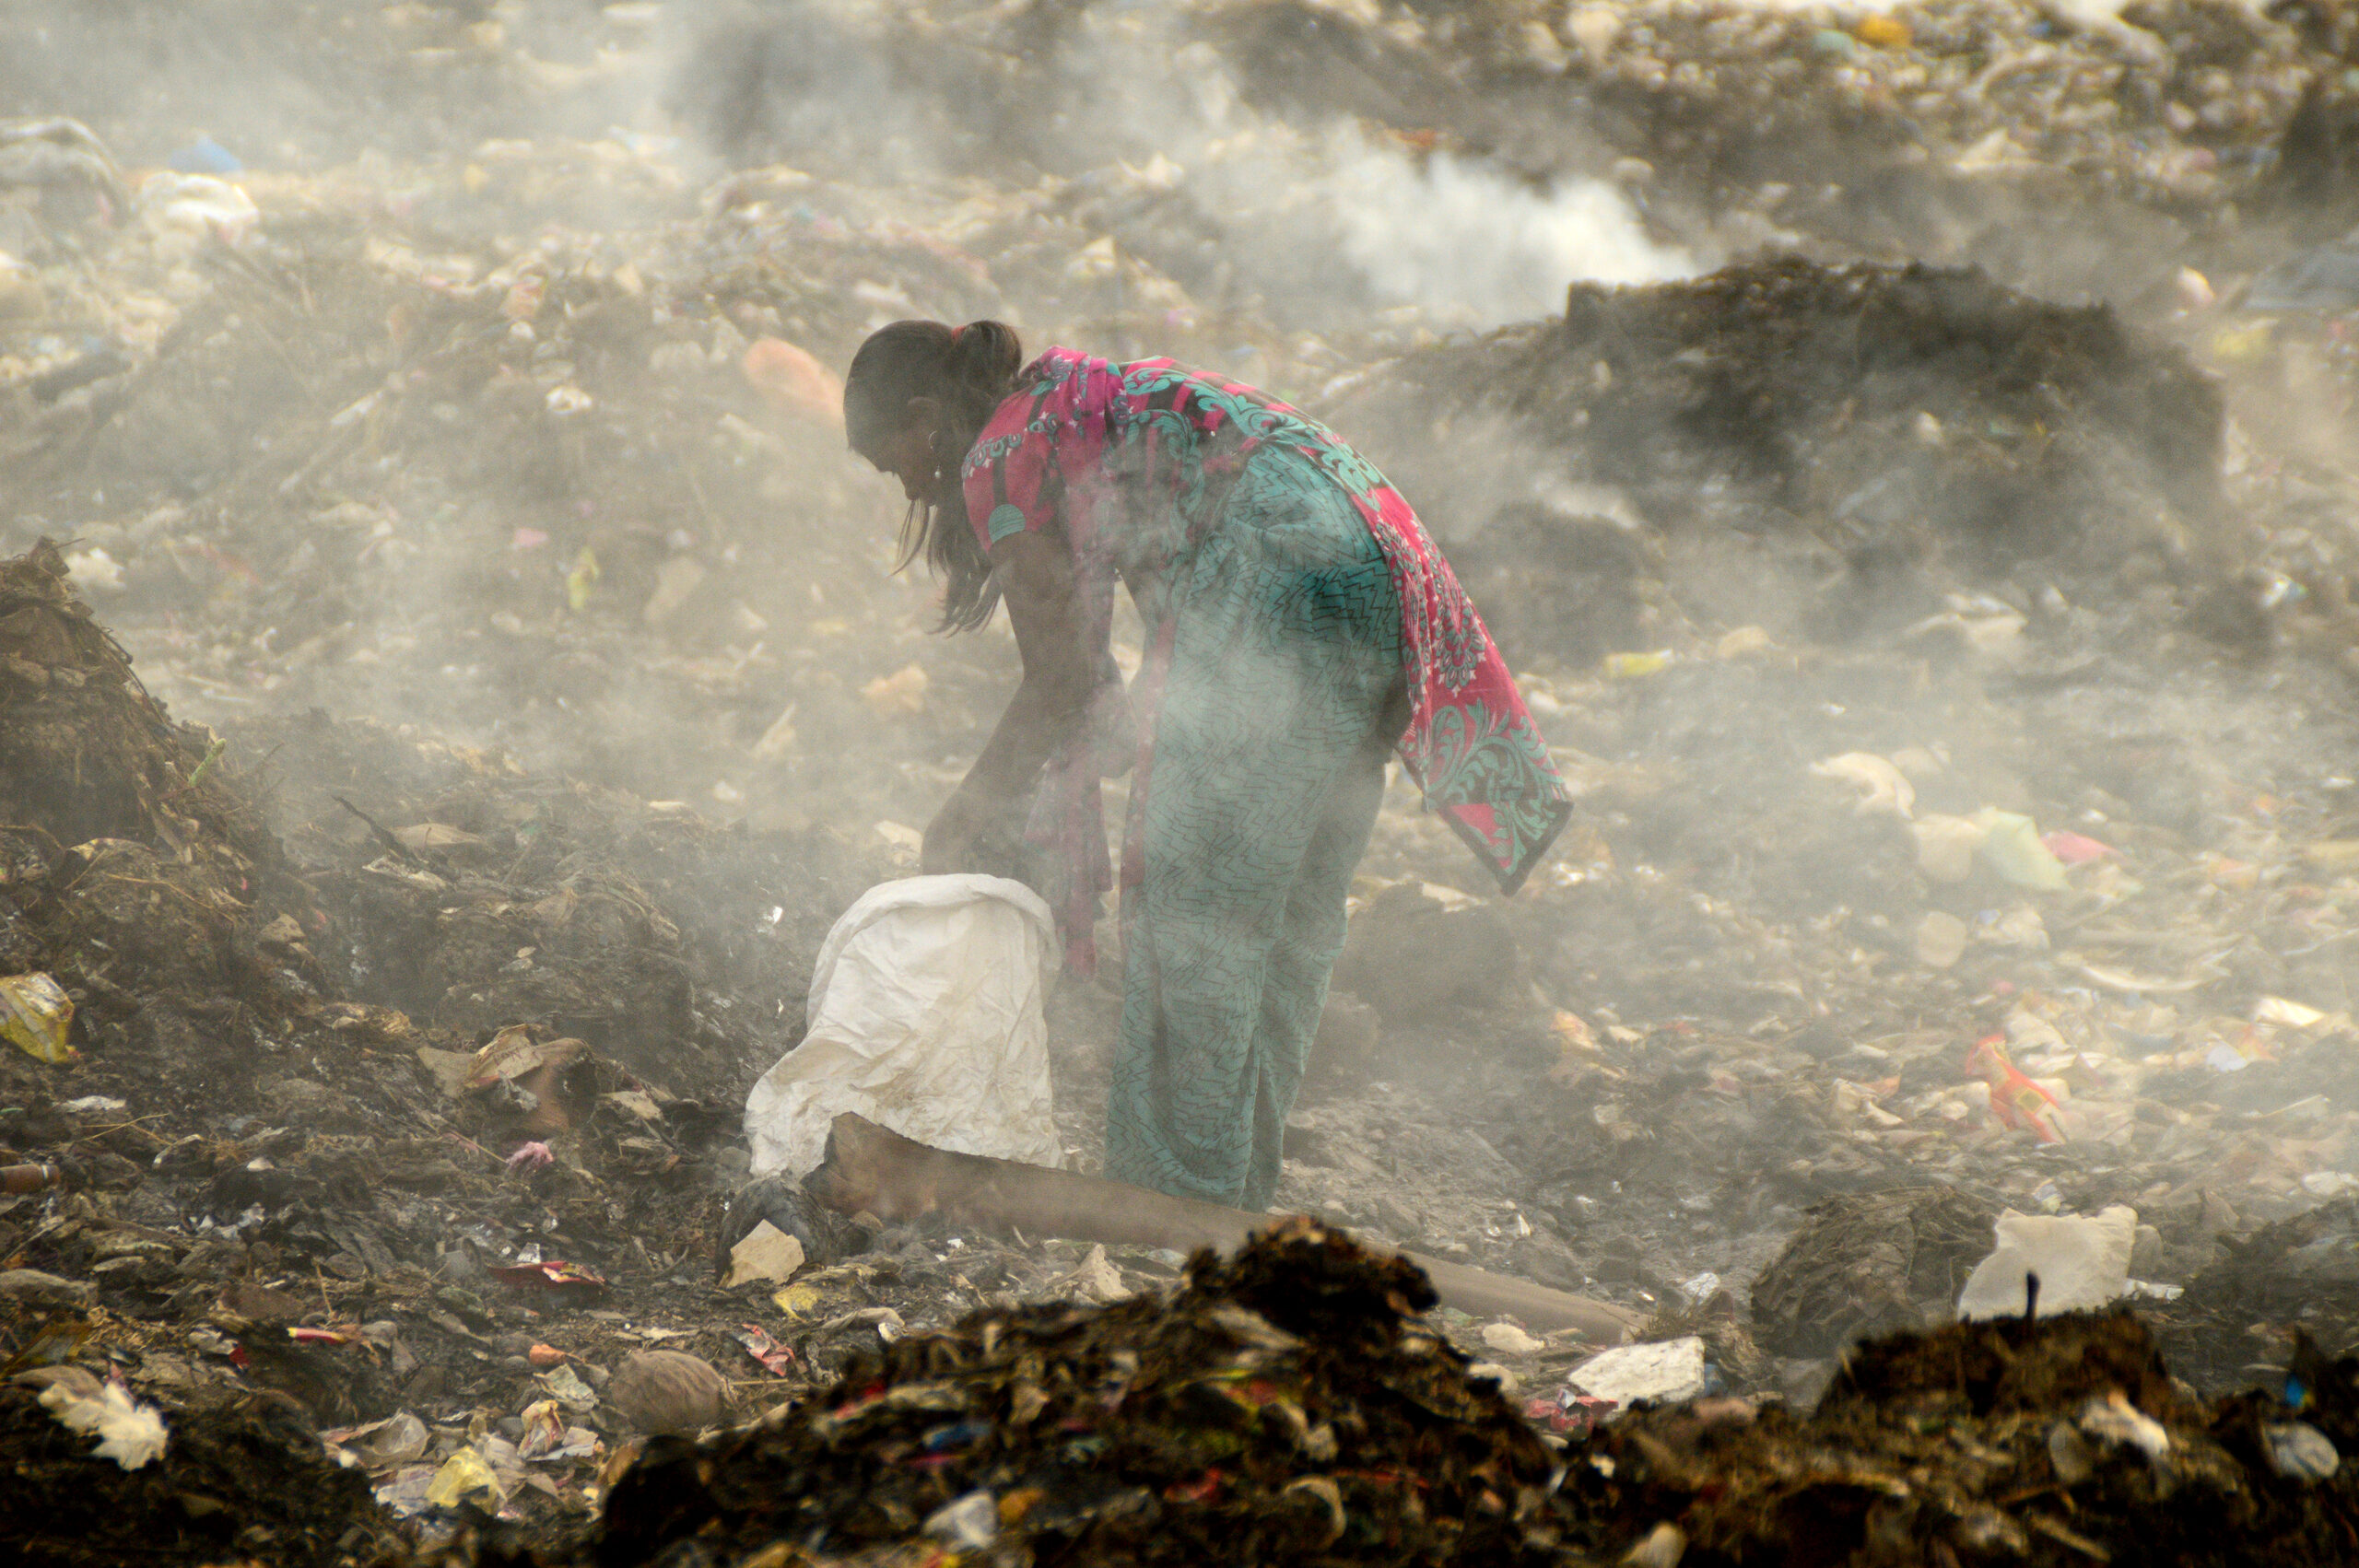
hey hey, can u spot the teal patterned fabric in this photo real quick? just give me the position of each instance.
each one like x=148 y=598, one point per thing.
x=1302 y=624
x=1282 y=698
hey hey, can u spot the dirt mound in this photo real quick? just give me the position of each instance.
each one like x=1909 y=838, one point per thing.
x=250 y=1485
x=472 y=893
x=1862 y=438
x=2062 y=1442
x=1867 y=1264
x=138 y=872
x=1278 y=1407
x=2238 y=1319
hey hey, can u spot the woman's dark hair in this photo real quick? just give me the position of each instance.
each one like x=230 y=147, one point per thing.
x=968 y=371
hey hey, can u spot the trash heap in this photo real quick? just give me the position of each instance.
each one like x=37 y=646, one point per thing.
x=254 y=1207
x=1277 y=1407
x=2063 y=1441
x=1281 y=1406
x=1907 y=431
x=136 y=871
x=2296 y=1273
x=249 y=1484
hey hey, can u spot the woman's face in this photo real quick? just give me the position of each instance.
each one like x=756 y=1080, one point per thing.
x=906 y=451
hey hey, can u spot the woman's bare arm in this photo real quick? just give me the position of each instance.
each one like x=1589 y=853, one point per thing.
x=1035 y=576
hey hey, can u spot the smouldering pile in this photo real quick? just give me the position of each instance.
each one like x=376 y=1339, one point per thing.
x=1280 y=1406
x=2062 y=1442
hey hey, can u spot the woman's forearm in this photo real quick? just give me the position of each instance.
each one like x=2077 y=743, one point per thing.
x=1042 y=715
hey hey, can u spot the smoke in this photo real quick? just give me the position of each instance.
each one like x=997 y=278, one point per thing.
x=1323 y=213
x=1458 y=238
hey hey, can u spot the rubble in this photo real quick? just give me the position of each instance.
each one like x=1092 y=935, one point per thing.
x=1781 y=423
x=1277 y=1403
x=2060 y=1441
x=462 y=634
x=1866 y=1264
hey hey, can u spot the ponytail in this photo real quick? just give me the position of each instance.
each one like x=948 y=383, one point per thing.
x=970 y=370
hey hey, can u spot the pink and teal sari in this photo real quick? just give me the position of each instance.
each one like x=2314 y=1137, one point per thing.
x=1302 y=624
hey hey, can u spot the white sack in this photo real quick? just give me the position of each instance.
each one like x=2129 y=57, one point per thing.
x=2082 y=1261
x=925 y=1016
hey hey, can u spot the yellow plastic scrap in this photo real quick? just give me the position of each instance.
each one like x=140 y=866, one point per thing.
x=1630 y=666
x=2010 y=847
x=582 y=579
x=35 y=1013
x=1884 y=32
x=2238 y=346
x=463 y=1474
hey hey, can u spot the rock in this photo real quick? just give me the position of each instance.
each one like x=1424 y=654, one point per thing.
x=778 y=1199
x=1545 y=1263
x=668 y=1392
x=32 y=1288
x=1415 y=958
x=1095 y=1278
x=1397 y=1217
x=766 y=1254
x=1508 y=1340
x=970 y=1524
x=2300 y=1451
x=1661 y=1547
x=1666 y=1372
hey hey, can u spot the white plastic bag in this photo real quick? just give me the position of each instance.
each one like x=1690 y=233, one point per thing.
x=2082 y=1261
x=925 y=1017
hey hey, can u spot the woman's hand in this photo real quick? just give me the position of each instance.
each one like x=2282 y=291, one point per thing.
x=954 y=840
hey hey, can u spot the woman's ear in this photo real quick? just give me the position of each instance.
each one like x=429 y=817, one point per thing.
x=925 y=417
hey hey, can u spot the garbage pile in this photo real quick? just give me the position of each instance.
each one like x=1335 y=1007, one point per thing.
x=255 y=1207
x=1282 y=1404
x=248 y=1484
x=1278 y=1404
x=1904 y=432
x=2068 y=150
x=2060 y=1441
x=2286 y=1282
x=135 y=869
x=1954 y=674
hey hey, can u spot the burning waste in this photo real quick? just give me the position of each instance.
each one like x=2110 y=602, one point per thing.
x=485 y=1072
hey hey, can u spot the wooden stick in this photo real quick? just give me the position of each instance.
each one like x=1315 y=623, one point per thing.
x=872 y=1168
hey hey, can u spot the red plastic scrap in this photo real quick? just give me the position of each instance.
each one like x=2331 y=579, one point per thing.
x=1568 y=1411
x=768 y=1352
x=2018 y=1103
x=1201 y=1490
x=303 y=1336
x=2074 y=848
x=550 y=1276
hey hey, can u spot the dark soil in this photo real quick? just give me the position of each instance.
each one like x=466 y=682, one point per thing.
x=247 y=1484
x=1971 y=1444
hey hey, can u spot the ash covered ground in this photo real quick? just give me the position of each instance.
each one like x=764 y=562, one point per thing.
x=1905 y=453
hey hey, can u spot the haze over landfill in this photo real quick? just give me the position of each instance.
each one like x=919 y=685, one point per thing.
x=453 y=677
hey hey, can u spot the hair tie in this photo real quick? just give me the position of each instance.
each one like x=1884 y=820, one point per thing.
x=956 y=334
